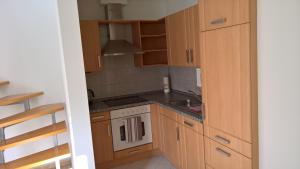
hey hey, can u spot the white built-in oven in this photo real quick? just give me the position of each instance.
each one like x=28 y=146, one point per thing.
x=131 y=127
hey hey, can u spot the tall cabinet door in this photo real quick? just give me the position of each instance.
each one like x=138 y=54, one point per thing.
x=171 y=141
x=226 y=73
x=91 y=45
x=193 y=35
x=177 y=39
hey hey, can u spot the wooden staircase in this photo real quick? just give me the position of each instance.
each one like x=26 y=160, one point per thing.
x=41 y=158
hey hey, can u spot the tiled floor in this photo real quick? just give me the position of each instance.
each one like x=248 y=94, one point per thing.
x=157 y=162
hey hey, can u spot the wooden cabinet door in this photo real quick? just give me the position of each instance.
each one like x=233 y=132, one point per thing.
x=223 y=13
x=102 y=141
x=226 y=80
x=193 y=35
x=192 y=149
x=91 y=45
x=171 y=141
x=177 y=39
x=155 y=123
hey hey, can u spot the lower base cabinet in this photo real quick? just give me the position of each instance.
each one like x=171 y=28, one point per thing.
x=192 y=149
x=171 y=141
x=102 y=139
x=183 y=143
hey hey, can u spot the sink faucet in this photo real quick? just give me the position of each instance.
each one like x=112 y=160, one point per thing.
x=91 y=93
x=198 y=97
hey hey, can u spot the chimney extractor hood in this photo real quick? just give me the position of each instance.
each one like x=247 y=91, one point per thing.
x=117 y=45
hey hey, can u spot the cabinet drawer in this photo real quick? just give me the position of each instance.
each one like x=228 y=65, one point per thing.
x=101 y=116
x=220 y=157
x=229 y=141
x=190 y=123
x=169 y=113
x=224 y=13
x=133 y=151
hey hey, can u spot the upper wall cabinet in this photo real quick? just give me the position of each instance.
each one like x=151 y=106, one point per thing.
x=91 y=45
x=223 y=13
x=183 y=38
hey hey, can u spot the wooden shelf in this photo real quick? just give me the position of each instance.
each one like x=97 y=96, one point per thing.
x=13 y=99
x=2 y=83
x=39 y=158
x=153 y=36
x=154 y=50
x=34 y=135
x=33 y=113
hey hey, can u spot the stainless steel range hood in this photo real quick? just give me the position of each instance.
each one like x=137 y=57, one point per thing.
x=117 y=45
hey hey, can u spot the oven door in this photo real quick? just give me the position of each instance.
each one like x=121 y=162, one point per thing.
x=131 y=131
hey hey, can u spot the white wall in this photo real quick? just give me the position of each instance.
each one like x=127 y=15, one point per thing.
x=75 y=85
x=40 y=50
x=279 y=83
x=135 y=9
x=145 y=9
x=173 y=6
x=30 y=59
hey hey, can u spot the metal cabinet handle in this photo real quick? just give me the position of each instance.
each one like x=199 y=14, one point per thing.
x=98 y=118
x=192 y=55
x=222 y=139
x=203 y=111
x=187 y=55
x=223 y=152
x=218 y=21
x=134 y=151
x=99 y=61
x=178 y=134
x=108 y=130
x=189 y=124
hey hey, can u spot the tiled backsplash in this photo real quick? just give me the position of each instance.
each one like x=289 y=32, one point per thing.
x=119 y=76
x=183 y=79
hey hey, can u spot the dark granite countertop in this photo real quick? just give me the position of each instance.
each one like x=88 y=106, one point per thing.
x=158 y=97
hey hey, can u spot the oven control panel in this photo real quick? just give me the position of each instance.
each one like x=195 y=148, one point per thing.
x=129 y=111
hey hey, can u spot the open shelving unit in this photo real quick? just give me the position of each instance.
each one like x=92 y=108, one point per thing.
x=151 y=37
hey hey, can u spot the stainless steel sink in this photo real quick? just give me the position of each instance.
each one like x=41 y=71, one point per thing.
x=187 y=105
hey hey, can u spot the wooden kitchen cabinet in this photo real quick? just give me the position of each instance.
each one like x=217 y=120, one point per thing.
x=155 y=123
x=184 y=38
x=91 y=45
x=177 y=39
x=102 y=141
x=182 y=138
x=192 y=148
x=226 y=76
x=193 y=35
x=220 y=157
x=171 y=141
x=223 y=13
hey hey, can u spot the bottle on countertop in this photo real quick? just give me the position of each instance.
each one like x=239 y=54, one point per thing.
x=166 y=84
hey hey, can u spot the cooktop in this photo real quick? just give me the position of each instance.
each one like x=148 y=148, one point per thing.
x=124 y=101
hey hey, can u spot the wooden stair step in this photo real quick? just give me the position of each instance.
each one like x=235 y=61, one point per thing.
x=31 y=114
x=34 y=135
x=38 y=159
x=13 y=99
x=2 y=83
